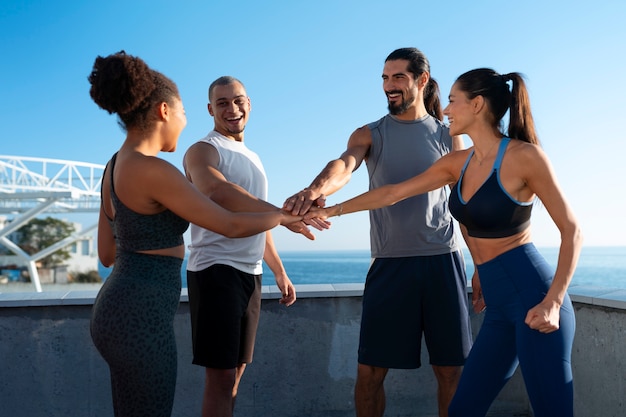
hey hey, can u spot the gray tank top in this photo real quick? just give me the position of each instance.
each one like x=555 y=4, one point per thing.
x=420 y=225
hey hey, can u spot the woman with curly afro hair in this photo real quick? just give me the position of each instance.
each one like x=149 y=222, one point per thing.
x=147 y=205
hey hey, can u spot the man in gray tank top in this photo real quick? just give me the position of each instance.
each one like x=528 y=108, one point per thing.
x=416 y=285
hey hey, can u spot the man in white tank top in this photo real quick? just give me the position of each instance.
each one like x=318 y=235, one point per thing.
x=224 y=275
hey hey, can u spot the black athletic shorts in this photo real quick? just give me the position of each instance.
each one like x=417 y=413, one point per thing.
x=225 y=304
x=407 y=297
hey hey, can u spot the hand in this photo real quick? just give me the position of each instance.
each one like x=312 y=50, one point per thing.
x=288 y=219
x=301 y=227
x=320 y=213
x=286 y=289
x=300 y=203
x=478 y=302
x=319 y=224
x=544 y=317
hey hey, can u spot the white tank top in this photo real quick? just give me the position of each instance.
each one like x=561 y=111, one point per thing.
x=243 y=167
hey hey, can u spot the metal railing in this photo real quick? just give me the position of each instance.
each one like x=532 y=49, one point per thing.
x=32 y=186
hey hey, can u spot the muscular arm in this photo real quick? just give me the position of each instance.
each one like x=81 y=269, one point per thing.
x=162 y=183
x=106 y=241
x=334 y=176
x=201 y=162
x=541 y=179
x=273 y=261
x=443 y=172
x=478 y=302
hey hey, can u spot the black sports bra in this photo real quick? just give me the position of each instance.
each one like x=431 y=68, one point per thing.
x=491 y=212
x=137 y=232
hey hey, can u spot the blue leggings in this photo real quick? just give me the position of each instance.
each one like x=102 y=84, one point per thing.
x=513 y=283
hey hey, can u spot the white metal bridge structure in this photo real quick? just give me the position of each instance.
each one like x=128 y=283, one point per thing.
x=33 y=186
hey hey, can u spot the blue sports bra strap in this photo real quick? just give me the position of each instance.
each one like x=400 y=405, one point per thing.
x=503 y=143
x=467 y=161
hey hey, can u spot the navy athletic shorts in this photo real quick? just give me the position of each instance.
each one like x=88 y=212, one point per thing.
x=410 y=296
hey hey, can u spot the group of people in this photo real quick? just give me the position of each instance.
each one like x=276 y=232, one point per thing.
x=416 y=285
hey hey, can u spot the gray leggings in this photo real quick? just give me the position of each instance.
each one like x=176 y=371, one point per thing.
x=132 y=326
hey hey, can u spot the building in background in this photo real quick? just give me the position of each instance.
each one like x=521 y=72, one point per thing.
x=83 y=259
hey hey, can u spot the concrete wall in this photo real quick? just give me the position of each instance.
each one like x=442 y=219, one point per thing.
x=304 y=365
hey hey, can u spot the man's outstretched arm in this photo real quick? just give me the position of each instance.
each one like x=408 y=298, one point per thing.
x=334 y=176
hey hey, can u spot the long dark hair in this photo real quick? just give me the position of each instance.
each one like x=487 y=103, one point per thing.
x=494 y=88
x=125 y=85
x=418 y=64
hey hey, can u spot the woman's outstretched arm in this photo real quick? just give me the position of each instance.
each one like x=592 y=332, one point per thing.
x=439 y=174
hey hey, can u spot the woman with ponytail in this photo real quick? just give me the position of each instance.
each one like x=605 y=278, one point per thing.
x=529 y=318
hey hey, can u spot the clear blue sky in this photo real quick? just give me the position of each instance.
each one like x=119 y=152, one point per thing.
x=312 y=70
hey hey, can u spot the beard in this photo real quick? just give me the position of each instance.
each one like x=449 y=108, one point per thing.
x=236 y=131
x=396 y=109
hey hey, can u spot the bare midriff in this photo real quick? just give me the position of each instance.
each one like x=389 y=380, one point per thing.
x=176 y=251
x=483 y=250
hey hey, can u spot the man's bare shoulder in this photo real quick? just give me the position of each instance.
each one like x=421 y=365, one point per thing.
x=362 y=136
x=200 y=154
x=200 y=147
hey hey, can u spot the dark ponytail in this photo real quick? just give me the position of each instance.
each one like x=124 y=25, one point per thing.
x=500 y=99
x=521 y=123
x=432 y=100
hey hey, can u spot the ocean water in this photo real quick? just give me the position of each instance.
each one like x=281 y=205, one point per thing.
x=598 y=266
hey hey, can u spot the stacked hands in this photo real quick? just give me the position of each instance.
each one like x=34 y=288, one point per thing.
x=309 y=210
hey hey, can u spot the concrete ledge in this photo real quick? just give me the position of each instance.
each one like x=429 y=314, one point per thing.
x=304 y=365
x=38 y=299
x=606 y=297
